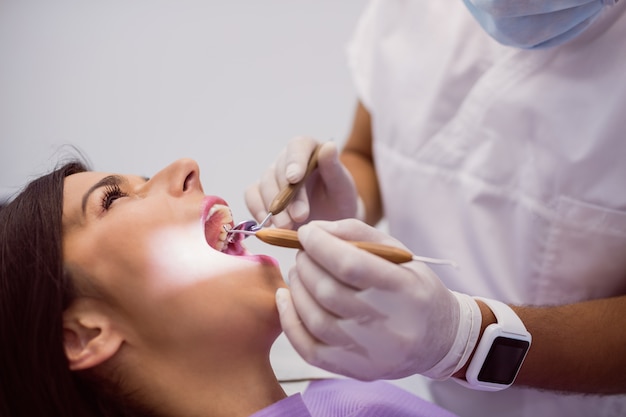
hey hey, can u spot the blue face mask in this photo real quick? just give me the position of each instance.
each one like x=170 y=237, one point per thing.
x=532 y=24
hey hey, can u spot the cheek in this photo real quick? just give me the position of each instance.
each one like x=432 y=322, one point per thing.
x=106 y=261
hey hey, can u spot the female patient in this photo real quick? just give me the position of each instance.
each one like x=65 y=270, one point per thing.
x=119 y=296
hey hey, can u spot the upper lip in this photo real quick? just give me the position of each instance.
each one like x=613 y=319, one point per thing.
x=208 y=203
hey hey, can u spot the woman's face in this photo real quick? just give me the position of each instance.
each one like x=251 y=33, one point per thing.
x=154 y=251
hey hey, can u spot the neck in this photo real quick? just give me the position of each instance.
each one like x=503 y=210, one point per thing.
x=233 y=387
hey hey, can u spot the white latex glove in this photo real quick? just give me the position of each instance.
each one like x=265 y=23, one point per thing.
x=355 y=314
x=329 y=192
x=535 y=23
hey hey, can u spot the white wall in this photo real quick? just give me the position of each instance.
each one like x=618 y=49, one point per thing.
x=138 y=84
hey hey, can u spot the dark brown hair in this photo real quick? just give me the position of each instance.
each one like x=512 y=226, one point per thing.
x=35 y=379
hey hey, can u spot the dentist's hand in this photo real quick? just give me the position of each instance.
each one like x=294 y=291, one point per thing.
x=353 y=313
x=535 y=23
x=329 y=192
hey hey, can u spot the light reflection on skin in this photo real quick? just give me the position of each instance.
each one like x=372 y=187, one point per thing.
x=182 y=252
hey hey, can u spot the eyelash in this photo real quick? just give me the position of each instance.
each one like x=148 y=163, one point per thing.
x=111 y=193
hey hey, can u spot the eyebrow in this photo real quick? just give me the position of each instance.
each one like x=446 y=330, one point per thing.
x=110 y=180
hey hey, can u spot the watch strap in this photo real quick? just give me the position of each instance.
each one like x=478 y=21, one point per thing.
x=505 y=316
x=508 y=326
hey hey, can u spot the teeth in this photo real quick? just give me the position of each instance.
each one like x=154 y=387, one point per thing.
x=220 y=246
x=227 y=219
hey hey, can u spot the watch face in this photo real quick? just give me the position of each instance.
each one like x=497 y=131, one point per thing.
x=503 y=360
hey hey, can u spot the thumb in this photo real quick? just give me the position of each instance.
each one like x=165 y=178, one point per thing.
x=294 y=329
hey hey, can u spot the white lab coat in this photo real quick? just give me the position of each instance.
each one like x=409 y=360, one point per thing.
x=511 y=162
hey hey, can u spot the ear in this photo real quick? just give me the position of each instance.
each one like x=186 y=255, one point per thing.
x=90 y=334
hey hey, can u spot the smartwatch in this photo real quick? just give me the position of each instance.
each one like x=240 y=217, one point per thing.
x=500 y=351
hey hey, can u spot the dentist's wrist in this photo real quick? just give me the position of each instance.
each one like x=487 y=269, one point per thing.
x=468 y=330
x=487 y=318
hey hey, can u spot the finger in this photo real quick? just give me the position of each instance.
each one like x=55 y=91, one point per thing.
x=297 y=212
x=299 y=208
x=350 y=265
x=320 y=323
x=297 y=157
x=342 y=360
x=353 y=229
x=282 y=220
x=332 y=295
x=302 y=341
x=269 y=189
x=290 y=167
x=299 y=152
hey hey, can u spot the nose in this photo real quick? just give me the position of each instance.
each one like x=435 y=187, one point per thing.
x=180 y=177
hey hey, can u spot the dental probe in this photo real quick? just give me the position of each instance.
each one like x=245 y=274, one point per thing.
x=289 y=239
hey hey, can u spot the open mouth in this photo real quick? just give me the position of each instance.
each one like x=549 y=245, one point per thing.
x=218 y=221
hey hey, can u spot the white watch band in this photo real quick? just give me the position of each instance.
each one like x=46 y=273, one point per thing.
x=500 y=351
x=505 y=316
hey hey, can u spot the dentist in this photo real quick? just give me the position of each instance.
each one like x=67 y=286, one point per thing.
x=490 y=132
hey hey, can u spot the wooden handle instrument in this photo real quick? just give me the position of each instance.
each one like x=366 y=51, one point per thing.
x=289 y=239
